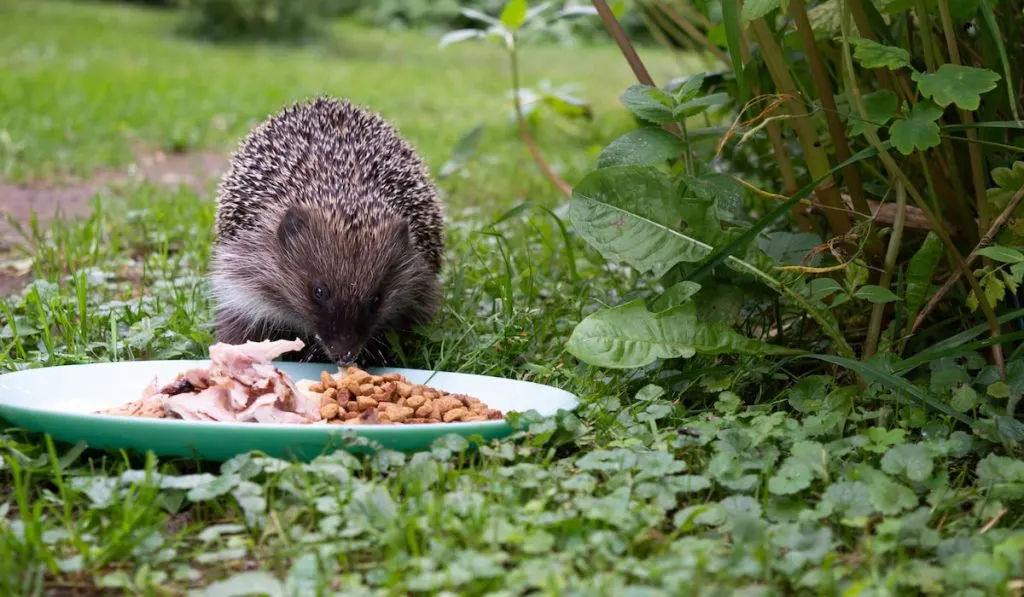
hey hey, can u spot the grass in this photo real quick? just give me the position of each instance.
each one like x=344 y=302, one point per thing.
x=642 y=491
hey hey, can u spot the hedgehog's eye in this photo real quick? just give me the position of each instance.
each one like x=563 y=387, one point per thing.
x=319 y=292
x=375 y=300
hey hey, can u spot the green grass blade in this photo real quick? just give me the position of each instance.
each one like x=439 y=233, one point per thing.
x=871 y=372
x=997 y=36
x=935 y=351
x=731 y=20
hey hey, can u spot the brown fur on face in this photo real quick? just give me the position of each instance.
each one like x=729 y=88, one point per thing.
x=352 y=282
x=325 y=194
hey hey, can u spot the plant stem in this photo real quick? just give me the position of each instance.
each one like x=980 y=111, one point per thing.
x=619 y=35
x=977 y=162
x=534 y=151
x=688 y=28
x=984 y=242
x=789 y=186
x=890 y=164
x=817 y=161
x=891 y=254
x=798 y=11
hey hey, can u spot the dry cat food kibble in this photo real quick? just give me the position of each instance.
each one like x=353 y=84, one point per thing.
x=357 y=398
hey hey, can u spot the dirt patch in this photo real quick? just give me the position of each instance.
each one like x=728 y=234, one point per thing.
x=73 y=199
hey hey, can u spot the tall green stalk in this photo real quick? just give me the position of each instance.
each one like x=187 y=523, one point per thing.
x=871 y=133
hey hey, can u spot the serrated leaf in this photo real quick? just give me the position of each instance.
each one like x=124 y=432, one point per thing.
x=875 y=294
x=688 y=90
x=756 y=9
x=1008 y=181
x=871 y=54
x=701 y=104
x=629 y=336
x=881 y=106
x=647 y=146
x=514 y=13
x=648 y=103
x=918 y=131
x=958 y=84
x=920 y=271
x=1002 y=254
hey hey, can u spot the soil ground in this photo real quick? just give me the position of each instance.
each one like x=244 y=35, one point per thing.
x=50 y=199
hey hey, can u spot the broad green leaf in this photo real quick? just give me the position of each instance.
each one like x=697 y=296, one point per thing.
x=910 y=460
x=871 y=54
x=629 y=336
x=875 y=294
x=889 y=497
x=965 y=399
x=1003 y=476
x=881 y=107
x=791 y=478
x=647 y=146
x=460 y=35
x=755 y=9
x=954 y=83
x=919 y=131
x=514 y=13
x=790 y=248
x=727 y=192
x=1002 y=254
x=629 y=213
x=648 y=103
x=243 y=583
x=850 y=498
x=677 y=294
x=920 y=271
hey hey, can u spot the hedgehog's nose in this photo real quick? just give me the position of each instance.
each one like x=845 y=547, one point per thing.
x=346 y=359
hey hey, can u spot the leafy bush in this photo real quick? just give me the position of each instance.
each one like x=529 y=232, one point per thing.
x=826 y=179
x=270 y=20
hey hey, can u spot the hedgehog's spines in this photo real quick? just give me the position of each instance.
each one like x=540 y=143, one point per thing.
x=329 y=153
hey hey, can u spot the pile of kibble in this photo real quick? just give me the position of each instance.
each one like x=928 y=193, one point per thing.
x=357 y=397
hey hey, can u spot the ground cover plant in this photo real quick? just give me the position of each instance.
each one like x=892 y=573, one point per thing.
x=752 y=421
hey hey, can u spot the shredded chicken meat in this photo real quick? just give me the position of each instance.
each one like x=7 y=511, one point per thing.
x=241 y=385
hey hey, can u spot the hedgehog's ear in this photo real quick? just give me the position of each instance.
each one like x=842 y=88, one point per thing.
x=292 y=225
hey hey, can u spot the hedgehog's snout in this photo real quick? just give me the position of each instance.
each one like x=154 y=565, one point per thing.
x=343 y=351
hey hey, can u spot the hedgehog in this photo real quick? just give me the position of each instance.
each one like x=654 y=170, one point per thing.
x=328 y=228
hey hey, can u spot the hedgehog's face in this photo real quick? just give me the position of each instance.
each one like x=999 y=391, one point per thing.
x=351 y=283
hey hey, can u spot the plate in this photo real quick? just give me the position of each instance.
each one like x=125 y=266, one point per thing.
x=62 y=401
